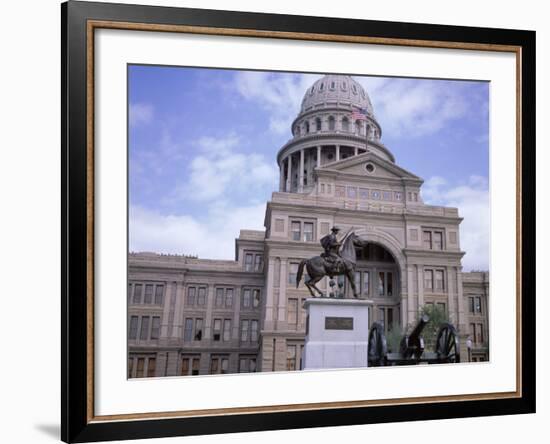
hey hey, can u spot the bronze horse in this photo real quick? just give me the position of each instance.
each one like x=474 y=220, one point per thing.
x=318 y=267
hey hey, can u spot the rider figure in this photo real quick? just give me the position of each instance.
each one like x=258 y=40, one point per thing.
x=331 y=246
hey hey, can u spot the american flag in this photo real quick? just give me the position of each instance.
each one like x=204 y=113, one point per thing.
x=359 y=114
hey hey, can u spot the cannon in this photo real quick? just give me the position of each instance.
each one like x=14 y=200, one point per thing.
x=411 y=348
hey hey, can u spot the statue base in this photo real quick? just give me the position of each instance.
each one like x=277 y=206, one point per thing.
x=337 y=332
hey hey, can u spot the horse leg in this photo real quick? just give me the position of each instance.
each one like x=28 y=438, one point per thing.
x=351 y=277
x=311 y=282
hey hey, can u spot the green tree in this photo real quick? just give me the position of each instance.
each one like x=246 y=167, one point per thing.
x=437 y=316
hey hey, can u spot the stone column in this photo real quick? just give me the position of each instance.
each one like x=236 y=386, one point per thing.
x=356 y=151
x=461 y=319
x=269 y=301
x=410 y=295
x=420 y=287
x=449 y=282
x=282 y=176
x=289 y=173
x=177 y=331
x=337 y=153
x=168 y=295
x=282 y=292
x=301 y=172
x=319 y=156
x=207 y=328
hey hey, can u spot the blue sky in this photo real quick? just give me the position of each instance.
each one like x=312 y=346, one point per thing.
x=192 y=131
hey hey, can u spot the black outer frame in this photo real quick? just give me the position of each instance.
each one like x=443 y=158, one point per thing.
x=74 y=423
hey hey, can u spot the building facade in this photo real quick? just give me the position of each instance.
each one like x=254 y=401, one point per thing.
x=191 y=316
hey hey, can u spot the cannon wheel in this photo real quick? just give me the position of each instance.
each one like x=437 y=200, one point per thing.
x=378 y=347
x=447 y=345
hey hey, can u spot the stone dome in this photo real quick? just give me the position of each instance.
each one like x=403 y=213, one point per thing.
x=331 y=89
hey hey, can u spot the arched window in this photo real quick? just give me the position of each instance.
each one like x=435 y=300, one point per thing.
x=312 y=89
x=345 y=124
x=307 y=127
x=332 y=85
x=369 y=129
x=331 y=123
x=358 y=127
x=321 y=87
x=344 y=86
x=318 y=124
x=297 y=130
x=354 y=89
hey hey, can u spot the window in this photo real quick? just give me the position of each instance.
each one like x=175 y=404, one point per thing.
x=137 y=293
x=439 y=280
x=442 y=307
x=258 y=262
x=290 y=357
x=148 y=294
x=438 y=240
x=219 y=364
x=340 y=191
x=386 y=195
x=480 y=334
x=247 y=364
x=357 y=281
x=352 y=192
x=159 y=294
x=192 y=363
x=198 y=329
x=385 y=283
x=155 y=327
x=244 y=330
x=318 y=124
x=256 y=298
x=345 y=124
x=292 y=314
x=432 y=239
x=140 y=367
x=471 y=304
x=382 y=317
x=254 y=331
x=144 y=333
x=398 y=196
x=428 y=279
x=322 y=188
x=217 y=329
x=133 y=327
x=295 y=228
x=363 y=193
x=375 y=195
x=246 y=298
x=229 y=297
x=430 y=284
x=331 y=123
x=188 y=329
x=427 y=239
x=477 y=305
x=202 y=296
x=248 y=258
x=129 y=292
x=292 y=273
x=219 y=297
x=191 y=293
x=366 y=276
x=308 y=231
x=227 y=329
x=151 y=367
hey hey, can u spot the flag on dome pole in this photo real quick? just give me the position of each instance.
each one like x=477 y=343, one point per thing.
x=361 y=114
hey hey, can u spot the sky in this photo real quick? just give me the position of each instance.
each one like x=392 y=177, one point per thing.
x=193 y=131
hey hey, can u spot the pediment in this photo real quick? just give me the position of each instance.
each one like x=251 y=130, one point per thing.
x=368 y=165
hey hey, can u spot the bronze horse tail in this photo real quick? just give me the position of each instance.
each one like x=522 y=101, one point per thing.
x=300 y=272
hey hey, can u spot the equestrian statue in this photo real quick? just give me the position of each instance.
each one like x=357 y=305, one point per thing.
x=338 y=259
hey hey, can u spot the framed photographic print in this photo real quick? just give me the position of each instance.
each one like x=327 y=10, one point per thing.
x=276 y=221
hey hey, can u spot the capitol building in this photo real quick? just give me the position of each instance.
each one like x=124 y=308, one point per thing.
x=195 y=316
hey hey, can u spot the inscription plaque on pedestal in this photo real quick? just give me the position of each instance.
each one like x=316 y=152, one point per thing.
x=338 y=323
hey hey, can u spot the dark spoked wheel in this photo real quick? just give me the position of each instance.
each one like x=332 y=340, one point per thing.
x=378 y=347
x=447 y=345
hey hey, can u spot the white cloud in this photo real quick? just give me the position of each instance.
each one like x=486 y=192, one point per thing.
x=213 y=238
x=140 y=113
x=473 y=203
x=279 y=94
x=219 y=171
x=409 y=108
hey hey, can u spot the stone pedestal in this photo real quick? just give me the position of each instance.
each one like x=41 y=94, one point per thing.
x=337 y=332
